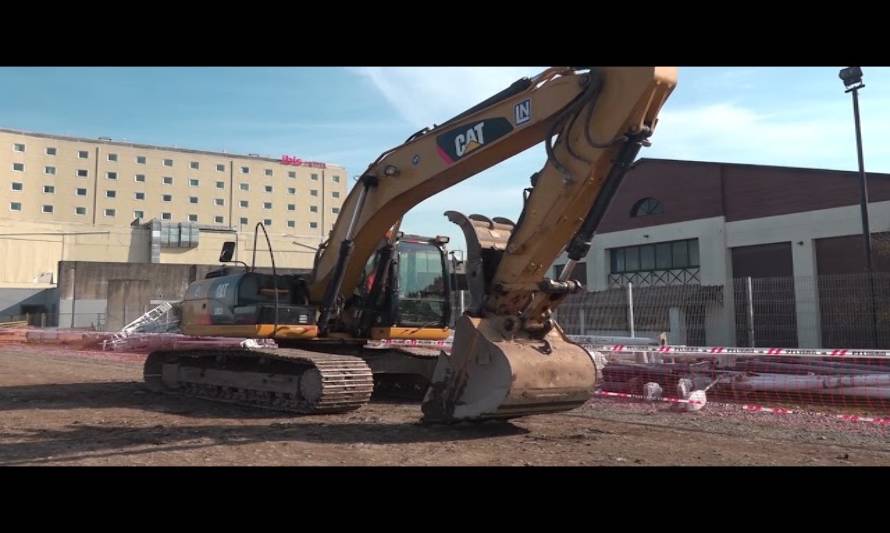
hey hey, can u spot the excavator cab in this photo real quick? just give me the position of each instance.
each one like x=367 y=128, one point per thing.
x=406 y=290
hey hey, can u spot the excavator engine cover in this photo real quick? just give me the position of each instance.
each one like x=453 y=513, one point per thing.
x=491 y=374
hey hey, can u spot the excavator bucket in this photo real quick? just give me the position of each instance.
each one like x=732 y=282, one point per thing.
x=491 y=374
x=494 y=370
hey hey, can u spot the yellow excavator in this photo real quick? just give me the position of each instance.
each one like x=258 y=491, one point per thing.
x=339 y=329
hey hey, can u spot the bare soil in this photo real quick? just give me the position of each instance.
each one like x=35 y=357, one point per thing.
x=65 y=407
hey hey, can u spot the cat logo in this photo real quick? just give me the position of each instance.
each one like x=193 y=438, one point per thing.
x=474 y=137
x=522 y=112
x=455 y=144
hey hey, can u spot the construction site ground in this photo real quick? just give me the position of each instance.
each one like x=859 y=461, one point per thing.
x=67 y=407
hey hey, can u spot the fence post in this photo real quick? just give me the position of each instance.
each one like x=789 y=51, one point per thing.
x=630 y=308
x=750 y=299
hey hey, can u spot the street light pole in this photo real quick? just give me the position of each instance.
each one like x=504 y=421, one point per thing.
x=852 y=78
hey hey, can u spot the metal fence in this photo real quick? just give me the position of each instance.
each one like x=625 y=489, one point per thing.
x=832 y=311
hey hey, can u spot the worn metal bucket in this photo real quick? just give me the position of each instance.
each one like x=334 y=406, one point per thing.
x=492 y=374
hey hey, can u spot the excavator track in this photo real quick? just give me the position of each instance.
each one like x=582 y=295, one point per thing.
x=290 y=380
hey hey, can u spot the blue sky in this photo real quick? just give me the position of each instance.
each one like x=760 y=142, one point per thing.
x=348 y=116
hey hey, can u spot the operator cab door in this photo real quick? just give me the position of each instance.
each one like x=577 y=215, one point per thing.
x=422 y=286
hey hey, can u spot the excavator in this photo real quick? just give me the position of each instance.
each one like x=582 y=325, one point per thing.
x=376 y=295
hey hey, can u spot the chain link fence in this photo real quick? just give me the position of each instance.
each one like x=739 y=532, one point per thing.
x=832 y=311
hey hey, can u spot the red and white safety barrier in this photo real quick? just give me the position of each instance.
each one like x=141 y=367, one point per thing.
x=763 y=409
x=753 y=408
x=732 y=350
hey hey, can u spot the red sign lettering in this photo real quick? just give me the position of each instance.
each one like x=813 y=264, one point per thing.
x=297 y=162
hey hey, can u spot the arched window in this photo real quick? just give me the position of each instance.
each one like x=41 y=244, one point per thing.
x=646 y=206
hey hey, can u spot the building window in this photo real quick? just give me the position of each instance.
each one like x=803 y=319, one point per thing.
x=80 y=191
x=193 y=199
x=268 y=171
x=168 y=162
x=140 y=178
x=314 y=177
x=138 y=214
x=47 y=209
x=268 y=188
x=244 y=203
x=167 y=198
x=112 y=157
x=49 y=189
x=83 y=154
x=245 y=186
x=313 y=209
x=166 y=216
x=193 y=182
x=335 y=194
x=220 y=168
x=50 y=171
x=168 y=180
x=335 y=179
x=292 y=174
x=335 y=210
x=18 y=147
x=18 y=167
x=245 y=170
x=243 y=221
x=140 y=159
x=111 y=194
x=193 y=218
x=267 y=222
x=50 y=151
x=220 y=185
x=646 y=206
x=291 y=224
x=140 y=196
x=80 y=210
x=218 y=219
x=267 y=205
x=663 y=263
x=291 y=190
x=82 y=173
x=110 y=212
x=112 y=175
x=17 y=186
x=313 y=225
x=194 y=165
x=15 y=206
x=313 y=192
x=291 y=207
x=219 y=201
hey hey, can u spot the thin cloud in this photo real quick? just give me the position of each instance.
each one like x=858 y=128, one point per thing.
x=426 y=95
x=732 y=133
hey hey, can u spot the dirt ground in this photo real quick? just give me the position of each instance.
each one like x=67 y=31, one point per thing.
x=61 y=407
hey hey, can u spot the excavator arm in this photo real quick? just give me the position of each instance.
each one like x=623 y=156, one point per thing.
x=509 y=359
